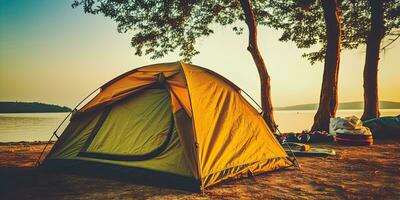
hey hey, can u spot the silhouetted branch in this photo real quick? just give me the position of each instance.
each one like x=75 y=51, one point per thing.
x=391 y=41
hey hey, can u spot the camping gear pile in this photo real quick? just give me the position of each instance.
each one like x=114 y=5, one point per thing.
x=295 y=143
x=174 y=121
x=384 y=127
x=306 y=137
x=350 y=131
x=305 y=150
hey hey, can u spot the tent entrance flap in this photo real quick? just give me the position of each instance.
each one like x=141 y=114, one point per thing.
x=136 y=129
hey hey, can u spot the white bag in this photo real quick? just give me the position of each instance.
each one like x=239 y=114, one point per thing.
x=349 y=125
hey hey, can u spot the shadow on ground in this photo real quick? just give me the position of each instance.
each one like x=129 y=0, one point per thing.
x=354 y=173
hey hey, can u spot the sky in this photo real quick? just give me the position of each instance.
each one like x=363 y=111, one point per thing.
x=52 y=53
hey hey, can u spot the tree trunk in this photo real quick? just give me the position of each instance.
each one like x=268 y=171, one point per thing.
x=329 y=92
x=371 y=102
x=266 y=102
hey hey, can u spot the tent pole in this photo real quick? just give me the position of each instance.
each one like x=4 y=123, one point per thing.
x=55 y=132
x=41 y=153
x=254 y=101
x=295 y=162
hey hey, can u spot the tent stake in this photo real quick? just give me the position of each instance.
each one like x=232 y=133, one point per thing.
x=295 y=162
x=41 y=154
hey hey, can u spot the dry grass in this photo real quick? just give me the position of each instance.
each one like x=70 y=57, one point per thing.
x=355 y=173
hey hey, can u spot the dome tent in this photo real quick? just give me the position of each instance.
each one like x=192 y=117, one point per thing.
x=170 y=119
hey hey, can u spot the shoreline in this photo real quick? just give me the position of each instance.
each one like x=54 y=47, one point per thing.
x=26 y=143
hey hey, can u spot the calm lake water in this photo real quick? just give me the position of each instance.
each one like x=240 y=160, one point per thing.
x=40 y=126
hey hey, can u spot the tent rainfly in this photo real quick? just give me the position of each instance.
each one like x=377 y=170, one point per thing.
x=172 y=119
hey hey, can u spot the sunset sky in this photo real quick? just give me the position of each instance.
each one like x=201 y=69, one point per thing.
x=52 y=53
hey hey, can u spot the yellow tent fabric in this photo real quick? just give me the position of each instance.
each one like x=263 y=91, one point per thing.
x=229 y=131
x=218 y=134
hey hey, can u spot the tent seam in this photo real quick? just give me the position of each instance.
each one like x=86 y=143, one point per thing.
x=194 y=128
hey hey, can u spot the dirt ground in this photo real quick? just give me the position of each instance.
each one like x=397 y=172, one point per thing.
x=354 y=173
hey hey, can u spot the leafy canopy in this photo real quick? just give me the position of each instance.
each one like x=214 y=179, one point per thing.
x=160 y=27
x=357 y=21
x=302 y=22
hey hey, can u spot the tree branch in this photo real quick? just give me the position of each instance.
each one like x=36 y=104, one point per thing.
x=390 y=43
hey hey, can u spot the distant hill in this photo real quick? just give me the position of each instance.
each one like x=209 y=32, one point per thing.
x=344 y=106
x=30 y=107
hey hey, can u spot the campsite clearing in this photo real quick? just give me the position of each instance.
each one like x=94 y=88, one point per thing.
x=355 y=172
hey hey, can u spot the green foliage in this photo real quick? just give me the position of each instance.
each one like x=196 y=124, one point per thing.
x=356 y=21
x=160 y=27
x=302 y=22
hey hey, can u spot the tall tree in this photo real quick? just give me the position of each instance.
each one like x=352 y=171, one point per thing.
x=329 y=92
x=266 y=102
x=371 y=101
x=369 y=22
x=160 y=27
x=303 y=22
x=309 y=23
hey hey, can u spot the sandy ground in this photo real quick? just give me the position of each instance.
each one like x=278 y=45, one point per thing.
x=354 y=173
